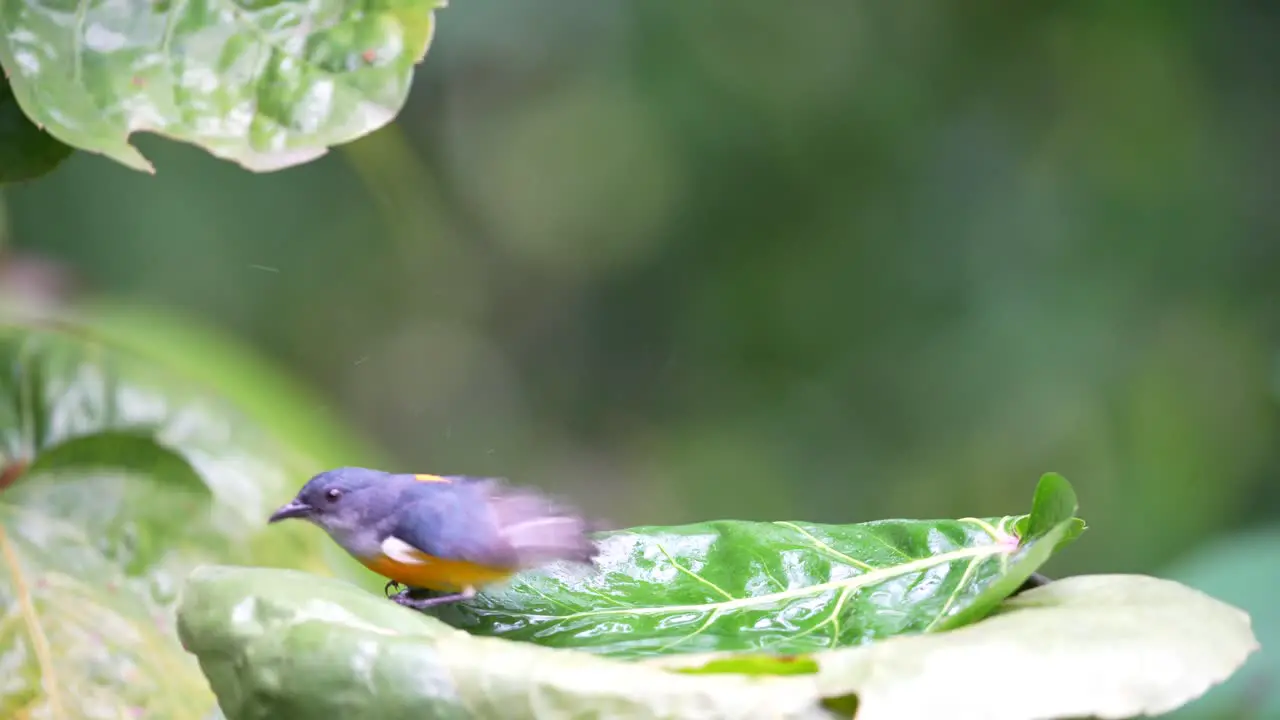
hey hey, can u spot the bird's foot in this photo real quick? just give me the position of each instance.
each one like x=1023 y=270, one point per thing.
x=391 y=584
x=403 y=598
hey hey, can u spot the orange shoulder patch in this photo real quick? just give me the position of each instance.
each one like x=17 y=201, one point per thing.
x=430 y=478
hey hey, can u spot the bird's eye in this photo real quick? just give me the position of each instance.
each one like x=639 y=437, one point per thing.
x=333 y=494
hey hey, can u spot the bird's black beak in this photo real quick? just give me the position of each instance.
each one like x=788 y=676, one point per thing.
x=291 y=509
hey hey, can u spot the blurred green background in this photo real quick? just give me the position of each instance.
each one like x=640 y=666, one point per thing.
x=835 y=261
x=840 y=263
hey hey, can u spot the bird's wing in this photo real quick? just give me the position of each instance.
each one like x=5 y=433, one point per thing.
x=484 y=521
x=538 y=529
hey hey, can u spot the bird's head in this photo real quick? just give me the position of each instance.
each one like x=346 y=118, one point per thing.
x=343 y=499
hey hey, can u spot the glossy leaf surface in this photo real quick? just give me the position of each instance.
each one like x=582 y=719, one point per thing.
x=784 y=587
x=267 y=84
x=26 y=151
x=279 y=643
x=153 y=475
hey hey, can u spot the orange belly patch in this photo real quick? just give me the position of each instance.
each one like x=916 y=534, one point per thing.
x=437 y=573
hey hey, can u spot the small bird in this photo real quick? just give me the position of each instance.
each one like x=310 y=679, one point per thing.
x=451 y=534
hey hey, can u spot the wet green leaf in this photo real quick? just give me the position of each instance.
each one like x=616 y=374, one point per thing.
x=155 y=475
x=26 y=151
x=284 y=644
x=267 y=85
x=75 y=640
x=784 y=587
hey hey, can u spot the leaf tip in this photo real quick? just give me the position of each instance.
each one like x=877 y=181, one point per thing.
x=1054 y=500
x=1054 y=503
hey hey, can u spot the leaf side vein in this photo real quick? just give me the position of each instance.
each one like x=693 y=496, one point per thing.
x=695 y=575
x=951 y=599
x=825 y=547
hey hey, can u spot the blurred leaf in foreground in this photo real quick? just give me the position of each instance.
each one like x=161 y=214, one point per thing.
x=268 y=87
x=155 y=476
x=262 y=393
x=206 y=358
x=75 y=640
x=26 y=151
x=284 y=644
x=785 y=587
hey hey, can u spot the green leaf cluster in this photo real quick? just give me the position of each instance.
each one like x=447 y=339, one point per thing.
x=892 y=619
x=132 y=506
x=119 y=476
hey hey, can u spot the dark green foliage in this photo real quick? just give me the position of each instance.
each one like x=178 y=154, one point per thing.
x=26 y=151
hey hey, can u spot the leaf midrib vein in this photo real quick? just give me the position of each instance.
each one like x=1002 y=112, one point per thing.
x=695 y=575
x=869 y=578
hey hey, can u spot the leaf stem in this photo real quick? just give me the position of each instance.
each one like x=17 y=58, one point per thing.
x=39 y=641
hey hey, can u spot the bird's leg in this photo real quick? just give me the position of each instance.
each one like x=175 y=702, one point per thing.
x=422 y=604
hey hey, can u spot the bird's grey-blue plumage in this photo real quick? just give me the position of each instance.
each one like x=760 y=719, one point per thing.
x=475 y=519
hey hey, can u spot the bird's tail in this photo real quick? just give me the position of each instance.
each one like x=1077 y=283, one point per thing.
x=540 y=530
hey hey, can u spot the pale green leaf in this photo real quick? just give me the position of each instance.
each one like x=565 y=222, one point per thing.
x=279 y=643
x=284 y=644
x=267 y=84
x=1103 y=646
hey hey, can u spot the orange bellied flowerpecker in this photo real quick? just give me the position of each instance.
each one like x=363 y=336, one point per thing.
x=451 y=534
